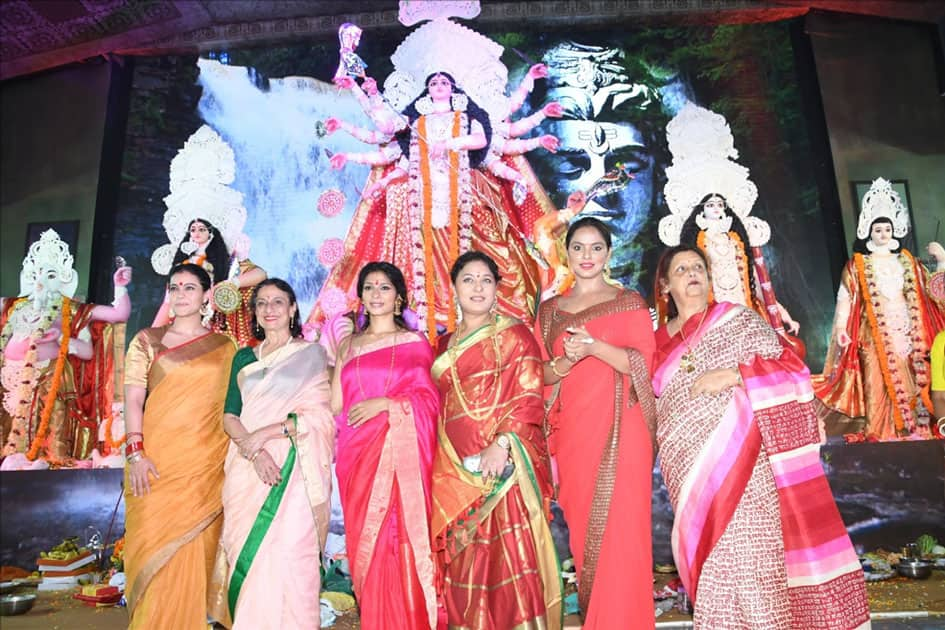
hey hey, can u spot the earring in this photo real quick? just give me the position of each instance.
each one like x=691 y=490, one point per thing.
x=397 y=306
x=171 y=313
x=207 y=312
x=495 y=306
x=607 y=271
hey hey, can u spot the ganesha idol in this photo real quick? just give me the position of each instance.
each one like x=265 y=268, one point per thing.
x=58 y=361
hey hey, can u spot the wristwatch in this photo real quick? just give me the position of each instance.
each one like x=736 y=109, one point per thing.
x=504 y=441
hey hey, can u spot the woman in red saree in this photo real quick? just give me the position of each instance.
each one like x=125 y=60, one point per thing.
x=740 y=453
x=497 y=564
x=598 y=347
x=386 y=437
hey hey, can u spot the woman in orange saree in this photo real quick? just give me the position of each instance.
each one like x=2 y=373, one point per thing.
x=598 y=346
x=278 y=471
x=388 y=406
x=491 y=480
x=175 y=382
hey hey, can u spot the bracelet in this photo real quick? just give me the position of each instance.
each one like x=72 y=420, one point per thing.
x=252 y=458
x=554 y=368
x=135 y=457
x=128 y=439
x=738 y=375
x=134 y=447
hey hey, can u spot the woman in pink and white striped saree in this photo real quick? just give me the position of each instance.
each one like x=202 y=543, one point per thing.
x=757 y=538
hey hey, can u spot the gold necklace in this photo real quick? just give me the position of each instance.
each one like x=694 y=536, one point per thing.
x=688 y=361
x=390 y=371
x=457 y=385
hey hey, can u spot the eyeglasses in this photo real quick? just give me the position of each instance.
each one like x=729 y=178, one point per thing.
x=277 y=304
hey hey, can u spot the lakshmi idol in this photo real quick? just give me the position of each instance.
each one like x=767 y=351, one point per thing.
x=710 y=198
x=57 y=372
x=889 y=309
x=431 y=195
x=204 y=224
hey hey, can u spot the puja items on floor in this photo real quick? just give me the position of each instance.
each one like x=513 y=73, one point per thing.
x=63 y=566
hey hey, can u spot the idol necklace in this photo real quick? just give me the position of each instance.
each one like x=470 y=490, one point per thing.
x=688 y=361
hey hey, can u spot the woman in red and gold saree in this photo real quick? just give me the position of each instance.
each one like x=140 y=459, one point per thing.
x=175 y=382
x=386 y=440
x=598 y=346
x=491 y=479
x=278 y=472
x=740 y=454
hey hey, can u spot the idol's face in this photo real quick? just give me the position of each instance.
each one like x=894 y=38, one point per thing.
x=199 y=232
x=713 y=208
x=48 y=282
x=881 y=233
x=439 y=87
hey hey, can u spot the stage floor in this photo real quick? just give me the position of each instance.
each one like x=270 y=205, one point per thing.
x=927 y=597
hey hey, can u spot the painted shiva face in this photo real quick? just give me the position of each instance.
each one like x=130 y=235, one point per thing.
x=713 y=208
x=439 y=87
x=588 y=149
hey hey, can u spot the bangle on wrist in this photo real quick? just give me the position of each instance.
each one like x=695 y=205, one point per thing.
x=554 y=368
x=738 y=378
x=135 y=457
x=252 y=458
x=134 y=447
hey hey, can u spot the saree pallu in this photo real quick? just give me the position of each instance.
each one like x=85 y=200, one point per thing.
x=278 y=585
x=748 y=491
x=384 y=469
x=854 y=383
x=601 y=428
x=172 y=532
x=497 y=564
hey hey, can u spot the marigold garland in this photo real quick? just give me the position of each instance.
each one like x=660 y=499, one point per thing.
x=902 y=409
x=454 y=211
x=50 y=400
x=427 y=224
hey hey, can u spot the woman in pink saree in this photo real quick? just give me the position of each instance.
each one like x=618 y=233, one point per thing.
x=387 y=405
x=757 y=538
x=278 y=472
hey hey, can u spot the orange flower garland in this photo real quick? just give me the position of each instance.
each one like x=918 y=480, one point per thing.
x=454 y=214
x=49 y=401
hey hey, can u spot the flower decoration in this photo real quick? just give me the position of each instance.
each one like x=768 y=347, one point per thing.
x=331 y=251
x=331 y=202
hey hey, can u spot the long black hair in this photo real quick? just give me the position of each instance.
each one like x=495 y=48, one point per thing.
x=473 y=111
x=295 y=322
x=217 y=255
x=395 y=277
x=859 y=245
x=690 y=235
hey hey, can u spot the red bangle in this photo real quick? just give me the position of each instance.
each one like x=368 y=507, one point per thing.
x=128 y=435
x=134 y=447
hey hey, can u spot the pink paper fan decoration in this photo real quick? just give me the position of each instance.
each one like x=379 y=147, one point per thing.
x=331 y=251
x=333 y=301
x=331 y=202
